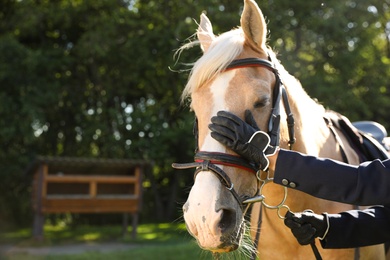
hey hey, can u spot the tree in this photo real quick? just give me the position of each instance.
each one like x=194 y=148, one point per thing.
x=338 y=50
x=98 y=79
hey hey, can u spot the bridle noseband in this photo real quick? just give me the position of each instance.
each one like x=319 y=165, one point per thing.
x=208 y=161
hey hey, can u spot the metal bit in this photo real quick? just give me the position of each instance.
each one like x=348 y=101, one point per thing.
x=255 y=199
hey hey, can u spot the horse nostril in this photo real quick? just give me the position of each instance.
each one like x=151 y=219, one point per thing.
x=228 y=220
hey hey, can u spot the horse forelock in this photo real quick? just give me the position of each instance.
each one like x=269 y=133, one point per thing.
x=223 y=50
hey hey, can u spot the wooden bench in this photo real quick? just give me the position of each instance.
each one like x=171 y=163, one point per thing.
x=80 y=185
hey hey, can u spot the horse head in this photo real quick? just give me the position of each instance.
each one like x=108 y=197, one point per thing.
x=238 y=72
x=214 y=211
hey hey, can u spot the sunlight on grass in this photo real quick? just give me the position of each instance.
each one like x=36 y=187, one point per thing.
x=91 y=237
x=162 y=232
x=54 y=228
x=18 y=234
x=150 y=236
x=163 y=241
x=60 y=234
x=180 y=226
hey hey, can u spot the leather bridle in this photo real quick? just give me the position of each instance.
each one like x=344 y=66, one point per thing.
x=208 y=161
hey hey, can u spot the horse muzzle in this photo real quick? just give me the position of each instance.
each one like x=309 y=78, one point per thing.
x=212 y=215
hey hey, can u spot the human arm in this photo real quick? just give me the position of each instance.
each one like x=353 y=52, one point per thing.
x=353 y=228
x=356 y=228
x=365 y=184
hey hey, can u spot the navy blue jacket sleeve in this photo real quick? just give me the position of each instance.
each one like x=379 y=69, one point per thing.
x=356 y=228
x=365 y=184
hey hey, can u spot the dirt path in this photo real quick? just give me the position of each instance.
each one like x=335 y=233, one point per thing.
x=64 y=249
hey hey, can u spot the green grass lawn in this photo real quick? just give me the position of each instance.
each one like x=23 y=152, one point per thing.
x=154 y=241
x=152 y=252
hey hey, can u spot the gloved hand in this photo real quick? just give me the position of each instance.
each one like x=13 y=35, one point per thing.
x=245 y=138
x=307 y=225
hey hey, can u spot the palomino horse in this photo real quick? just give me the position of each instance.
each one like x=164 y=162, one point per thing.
x=238 y=72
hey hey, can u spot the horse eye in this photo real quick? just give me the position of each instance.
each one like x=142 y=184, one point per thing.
x=261 y=103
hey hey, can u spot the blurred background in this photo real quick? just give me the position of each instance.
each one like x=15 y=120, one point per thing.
x=98 y=79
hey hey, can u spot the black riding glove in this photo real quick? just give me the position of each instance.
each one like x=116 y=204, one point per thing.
x=245 y=138
x=307 y=225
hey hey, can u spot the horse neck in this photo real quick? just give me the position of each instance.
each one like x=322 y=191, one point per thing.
x=310 y=127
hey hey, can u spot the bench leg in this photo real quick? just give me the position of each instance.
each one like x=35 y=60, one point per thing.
x=39 y=220
x=125 y=221
x=134 y=224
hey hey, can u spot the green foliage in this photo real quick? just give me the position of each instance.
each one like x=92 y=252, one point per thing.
x=339 y=50
x=98 y=79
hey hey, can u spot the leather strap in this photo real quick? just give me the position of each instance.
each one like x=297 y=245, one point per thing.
x=226 y=159
x=206 y=165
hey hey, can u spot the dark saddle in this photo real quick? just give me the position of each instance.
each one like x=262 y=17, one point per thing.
x=373 y=129
x=366 y=137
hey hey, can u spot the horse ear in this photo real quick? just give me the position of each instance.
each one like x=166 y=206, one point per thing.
x=253 y=24
x=205 y=32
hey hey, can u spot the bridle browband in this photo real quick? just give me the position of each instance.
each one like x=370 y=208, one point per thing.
x=208 y=161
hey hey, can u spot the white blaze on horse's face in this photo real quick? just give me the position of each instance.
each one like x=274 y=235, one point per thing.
x=218 y=89
x=212 y=214
x=209 y=212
